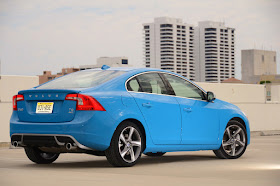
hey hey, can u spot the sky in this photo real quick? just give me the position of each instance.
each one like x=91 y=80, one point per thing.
x=50 y=35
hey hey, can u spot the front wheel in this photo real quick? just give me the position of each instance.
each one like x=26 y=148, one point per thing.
x=126 y=145
x=234 y=141
x=40 y=157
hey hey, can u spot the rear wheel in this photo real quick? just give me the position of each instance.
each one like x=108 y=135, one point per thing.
x=126 y=145
x=157 y=154
x=40 y=157
x=234 y=141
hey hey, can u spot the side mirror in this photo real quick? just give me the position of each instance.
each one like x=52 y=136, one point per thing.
x=210 y=96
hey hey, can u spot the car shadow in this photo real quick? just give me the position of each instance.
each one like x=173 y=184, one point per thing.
x=175 y=158
x=144 y=161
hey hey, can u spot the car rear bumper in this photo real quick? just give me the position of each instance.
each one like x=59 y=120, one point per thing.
x=46 y=140
x=89 y=129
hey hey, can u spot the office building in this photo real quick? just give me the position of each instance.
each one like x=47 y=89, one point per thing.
x=169 y=45
x=110 y=61
x=256 y=65
x=214 y=52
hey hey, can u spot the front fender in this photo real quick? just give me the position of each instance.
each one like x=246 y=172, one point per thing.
x=229 y=115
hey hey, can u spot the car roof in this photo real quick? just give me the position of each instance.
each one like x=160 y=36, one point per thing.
x=129 y=69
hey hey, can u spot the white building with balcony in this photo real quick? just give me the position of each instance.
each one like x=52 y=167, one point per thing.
x=214 y=52
x=169 y=45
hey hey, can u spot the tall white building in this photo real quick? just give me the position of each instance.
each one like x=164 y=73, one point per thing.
x=169 y=45
x=214 y=52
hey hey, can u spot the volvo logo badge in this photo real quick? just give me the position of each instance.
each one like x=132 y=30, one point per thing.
x=71 y=111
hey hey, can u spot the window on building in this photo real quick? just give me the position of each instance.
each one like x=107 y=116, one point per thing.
x=262 y=58
x=274 y=58
x=268 y=93
x=146 y=27
x=165 y=25
x=124 y=61
x=210 y=29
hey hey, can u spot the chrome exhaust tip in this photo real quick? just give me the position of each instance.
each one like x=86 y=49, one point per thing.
x=15 y=143
x=69 y=146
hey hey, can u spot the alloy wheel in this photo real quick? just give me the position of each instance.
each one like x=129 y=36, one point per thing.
x=234 y=140
x=130 y=144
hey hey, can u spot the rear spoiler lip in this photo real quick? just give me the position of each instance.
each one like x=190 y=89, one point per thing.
x=69 y=91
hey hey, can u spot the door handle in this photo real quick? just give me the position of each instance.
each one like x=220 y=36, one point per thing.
x=188 y=109
x=146 y=105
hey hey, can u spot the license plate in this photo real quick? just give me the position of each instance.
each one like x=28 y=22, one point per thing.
x=44 y=107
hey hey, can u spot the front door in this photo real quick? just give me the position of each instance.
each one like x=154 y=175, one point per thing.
x=200 y=119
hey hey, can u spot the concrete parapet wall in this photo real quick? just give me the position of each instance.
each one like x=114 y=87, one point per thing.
x=9 y=86
x=236 y=93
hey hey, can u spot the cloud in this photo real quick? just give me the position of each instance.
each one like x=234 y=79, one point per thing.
x=49 y=35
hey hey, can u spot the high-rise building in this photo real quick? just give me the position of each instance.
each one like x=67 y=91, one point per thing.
x=214 y=52
x=110 y=61
x=169 y=45
x=256 y=63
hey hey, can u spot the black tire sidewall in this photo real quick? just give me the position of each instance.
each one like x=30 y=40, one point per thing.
x=34 y=154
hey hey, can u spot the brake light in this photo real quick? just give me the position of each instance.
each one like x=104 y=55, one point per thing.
x=85 y=102
x=17 y=98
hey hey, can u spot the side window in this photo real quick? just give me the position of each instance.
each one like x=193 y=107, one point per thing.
x=133 y=85
x=152 y=83
x=183 y=88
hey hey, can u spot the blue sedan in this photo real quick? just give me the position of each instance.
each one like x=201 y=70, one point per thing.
x=121 y=113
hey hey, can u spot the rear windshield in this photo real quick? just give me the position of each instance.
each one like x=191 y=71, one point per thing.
x=82 y=79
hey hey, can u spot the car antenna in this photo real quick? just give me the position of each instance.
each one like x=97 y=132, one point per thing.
x=105 y=67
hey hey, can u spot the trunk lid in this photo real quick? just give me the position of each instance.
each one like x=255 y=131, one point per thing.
x=63 y=110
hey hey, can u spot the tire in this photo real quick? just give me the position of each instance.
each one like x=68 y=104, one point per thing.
x=127 y=140
x=157 y=154
x=40 y=157
x=234 y=142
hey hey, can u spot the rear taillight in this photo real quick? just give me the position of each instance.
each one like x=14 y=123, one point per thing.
x=85 y=102
x=17 y=98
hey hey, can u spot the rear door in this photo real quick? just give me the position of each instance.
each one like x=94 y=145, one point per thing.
x=161 y=112
x=62 y=110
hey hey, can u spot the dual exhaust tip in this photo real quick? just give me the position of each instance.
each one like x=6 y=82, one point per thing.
x=68 y=146
x=15 y=143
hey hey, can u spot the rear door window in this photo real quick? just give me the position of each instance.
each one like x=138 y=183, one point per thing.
x=148 y=82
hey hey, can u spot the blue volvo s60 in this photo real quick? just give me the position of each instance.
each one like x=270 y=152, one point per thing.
x=122 y=113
